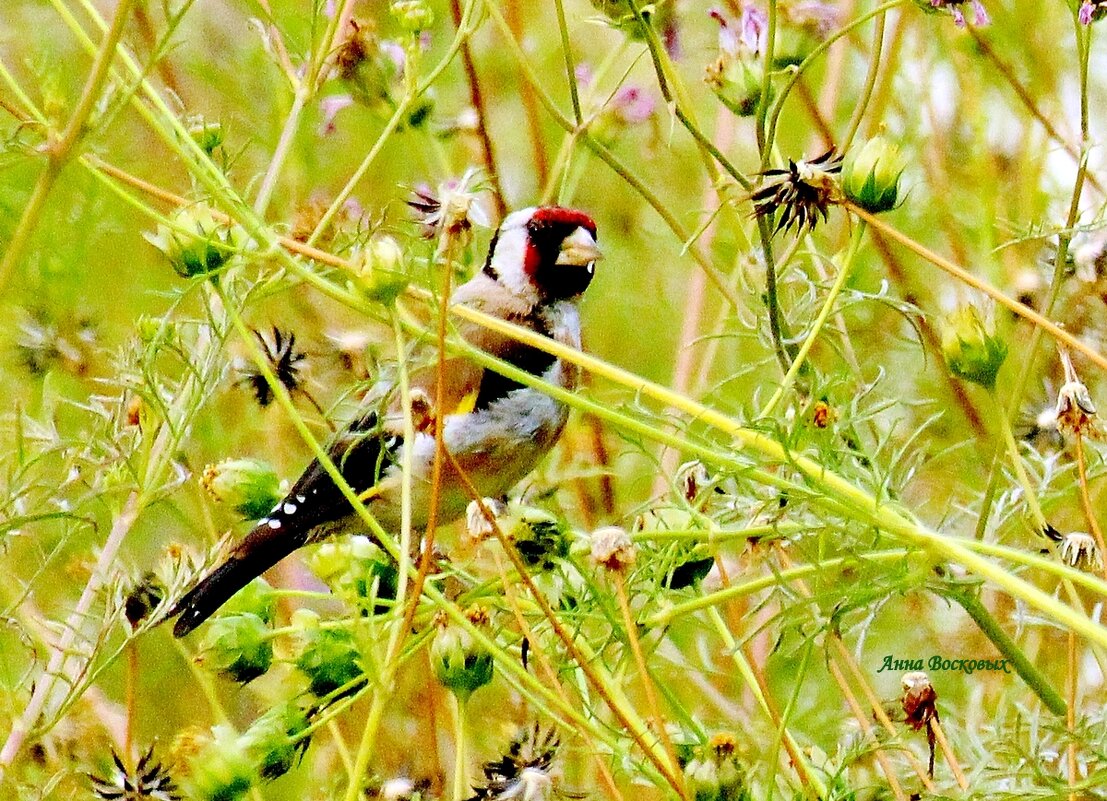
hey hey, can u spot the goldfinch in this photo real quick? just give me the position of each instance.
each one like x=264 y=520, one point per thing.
x=539 y=264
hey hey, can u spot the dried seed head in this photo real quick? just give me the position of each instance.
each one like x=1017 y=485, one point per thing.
x=1075 y=411
x=613 y=549
x=461 y=662
x=1081 y=550
x=802 y=193
x=149 y=780
x=691 y=477
x=477 y=524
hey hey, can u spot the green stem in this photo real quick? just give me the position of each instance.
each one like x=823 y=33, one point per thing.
x=1028 y=489
x=461 y=770
x=822 y=47
x=870 y=82
x=570 y=69
x=844 y=271
x=1035 y=680
x=61 y=150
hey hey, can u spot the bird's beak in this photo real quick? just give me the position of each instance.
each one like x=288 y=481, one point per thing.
x=579 y=249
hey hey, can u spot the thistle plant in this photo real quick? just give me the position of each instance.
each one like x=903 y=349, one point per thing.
x=212 y=213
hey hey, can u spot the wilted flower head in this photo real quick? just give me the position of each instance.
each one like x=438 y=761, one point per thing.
x=453 y=209
x=219 y=767
x=197 y=243
x=357 y=569
x=148 y=780
x=801 y=193
x=737 y=75
x=330 y=105
x=414 y=16
x=329 y=657
x=46 y=339
x=371 y=68
x=1081 y=550
x=477 y=524
x=980 y=16
x=238 y=646
x=870 y=175
x=524 y=772
x=1091 y=11
x=972 y=349
x=919 y=699
x=613 y=549
x=819 y=16
x=272 y=741
x=659 y=15
x=1075 y=412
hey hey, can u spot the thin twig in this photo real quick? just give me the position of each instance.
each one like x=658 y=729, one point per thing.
x=476 y=98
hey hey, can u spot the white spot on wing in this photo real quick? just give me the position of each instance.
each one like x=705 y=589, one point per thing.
x=301 y=498
x=290 y=508
x=274 y=524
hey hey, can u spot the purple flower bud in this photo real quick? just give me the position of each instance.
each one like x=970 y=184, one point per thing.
x=1085 y=14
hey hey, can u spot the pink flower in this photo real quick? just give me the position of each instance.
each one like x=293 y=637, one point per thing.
x=330 y=106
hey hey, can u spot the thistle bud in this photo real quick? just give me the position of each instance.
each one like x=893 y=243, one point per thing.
x=330 y=659
x=414 y=16
x=219 y=767
x=237 y=646
x=973 y=351
x=462 y=664
x=248 y=485
x=269 y=740
x=197 y=243
x=870 y=176
x=380 y=269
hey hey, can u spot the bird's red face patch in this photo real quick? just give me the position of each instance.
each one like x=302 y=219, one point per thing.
x=548 y=226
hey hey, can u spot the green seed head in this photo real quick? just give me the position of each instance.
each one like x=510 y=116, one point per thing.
x=220 y=769
x=870 y=176
x=237 y=646
x=380 y=269
x=196 y=243
x=413 y=15
x=972 y=349
x=461 y=664
x=248 y=485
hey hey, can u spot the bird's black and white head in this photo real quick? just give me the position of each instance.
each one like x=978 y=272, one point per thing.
x=545 y=254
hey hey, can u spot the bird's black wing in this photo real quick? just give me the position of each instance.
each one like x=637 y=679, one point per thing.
x=362 y=452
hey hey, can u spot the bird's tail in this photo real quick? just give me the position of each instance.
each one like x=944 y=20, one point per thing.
x=260 y=550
